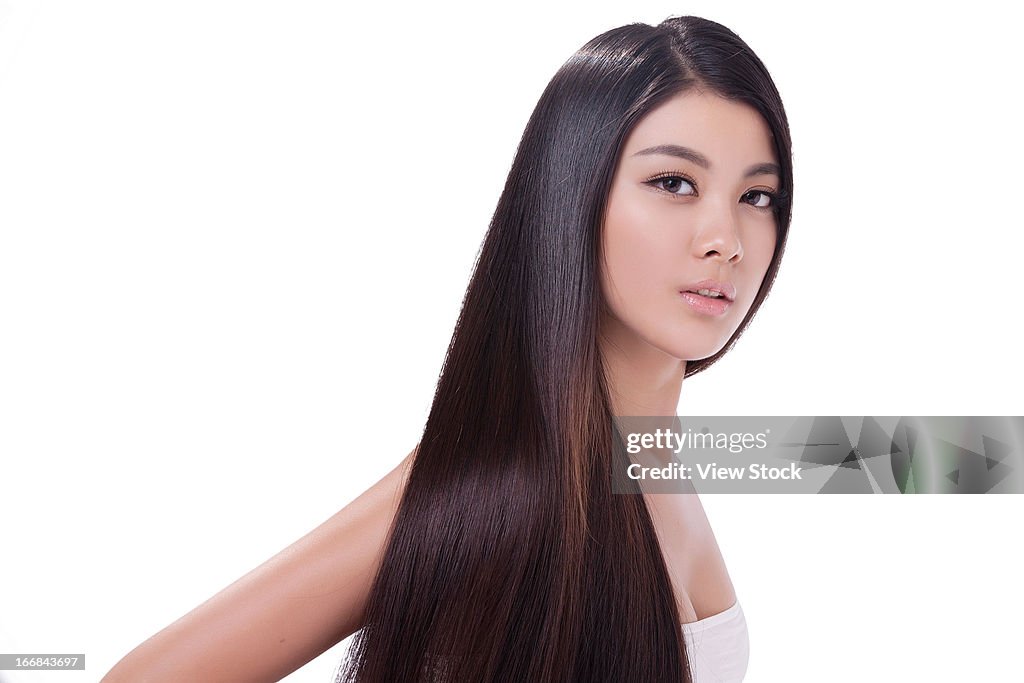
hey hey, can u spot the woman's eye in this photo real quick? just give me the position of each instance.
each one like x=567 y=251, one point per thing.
x=675 y=184
x=759 y=199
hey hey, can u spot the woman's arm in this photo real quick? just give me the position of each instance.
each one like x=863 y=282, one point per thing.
x=285 y=612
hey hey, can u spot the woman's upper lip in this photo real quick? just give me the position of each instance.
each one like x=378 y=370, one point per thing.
x=724 y=288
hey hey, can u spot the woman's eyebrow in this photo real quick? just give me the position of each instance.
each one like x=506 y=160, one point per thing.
x=696 y=157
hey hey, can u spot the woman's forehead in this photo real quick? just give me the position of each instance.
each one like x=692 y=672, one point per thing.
x=722 y=133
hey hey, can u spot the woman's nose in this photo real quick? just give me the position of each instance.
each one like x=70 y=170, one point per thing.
x=718 y=235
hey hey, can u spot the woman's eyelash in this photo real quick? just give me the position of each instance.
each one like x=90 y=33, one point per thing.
x=772 y=196
x=658 y=180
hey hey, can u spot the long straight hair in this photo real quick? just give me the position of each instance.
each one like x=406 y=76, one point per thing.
x=509 y=558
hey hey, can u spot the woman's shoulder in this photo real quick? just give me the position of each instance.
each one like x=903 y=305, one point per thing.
x=285 y=612
x=692 y=556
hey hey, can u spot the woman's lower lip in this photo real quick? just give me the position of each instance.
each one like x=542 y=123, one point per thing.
x=706 y=304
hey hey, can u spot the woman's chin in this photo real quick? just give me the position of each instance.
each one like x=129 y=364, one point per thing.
x=692 y=352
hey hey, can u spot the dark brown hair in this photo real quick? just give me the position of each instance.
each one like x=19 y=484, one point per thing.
x=509 y=558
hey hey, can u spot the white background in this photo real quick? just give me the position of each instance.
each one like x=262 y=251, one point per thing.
x=235 y=236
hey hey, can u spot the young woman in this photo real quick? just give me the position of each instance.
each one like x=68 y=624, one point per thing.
x=640 y=228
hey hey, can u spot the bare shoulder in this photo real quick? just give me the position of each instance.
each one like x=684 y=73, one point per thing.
x=286 y=611
x=694 y=561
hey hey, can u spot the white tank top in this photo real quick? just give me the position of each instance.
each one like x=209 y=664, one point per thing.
x=718 y=647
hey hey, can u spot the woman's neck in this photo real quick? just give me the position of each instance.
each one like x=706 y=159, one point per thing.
x=642 y=379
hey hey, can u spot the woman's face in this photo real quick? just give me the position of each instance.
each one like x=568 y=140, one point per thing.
x=690 y=208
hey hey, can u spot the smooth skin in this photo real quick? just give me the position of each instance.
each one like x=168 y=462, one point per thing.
x=658 y=235
x=283 y=613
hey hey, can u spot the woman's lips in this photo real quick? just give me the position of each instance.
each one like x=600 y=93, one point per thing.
x=706 y=304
